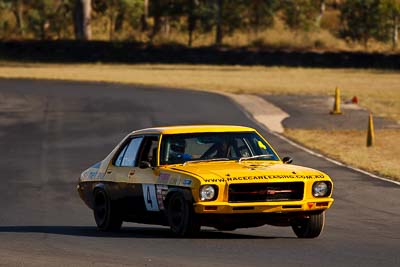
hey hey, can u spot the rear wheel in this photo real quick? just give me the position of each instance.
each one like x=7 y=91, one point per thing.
x=309 y=227
x=181 y=216
x=105 y=213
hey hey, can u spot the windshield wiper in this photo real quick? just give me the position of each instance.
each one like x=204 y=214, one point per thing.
x=204 y=160
x=256 y=156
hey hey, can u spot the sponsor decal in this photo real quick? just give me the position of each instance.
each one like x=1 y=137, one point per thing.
x=261 y=145
x=166 y=178
x=97 y=165
x=100 y=175
x=163 y=178
x=92 y=174
x=187 y=182
x=85 y=175
x=263 y=177
x=174 y=181
x=162 y=191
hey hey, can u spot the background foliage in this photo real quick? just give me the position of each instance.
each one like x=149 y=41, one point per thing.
x=325 y=24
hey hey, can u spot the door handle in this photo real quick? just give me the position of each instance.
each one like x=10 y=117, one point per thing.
x=109 y=171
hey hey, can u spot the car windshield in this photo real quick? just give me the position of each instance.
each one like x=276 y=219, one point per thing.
x=181 y=148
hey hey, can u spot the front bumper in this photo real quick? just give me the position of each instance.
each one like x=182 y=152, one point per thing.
x=263 y=207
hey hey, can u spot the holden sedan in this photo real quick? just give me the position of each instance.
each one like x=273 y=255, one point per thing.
x=185 y=177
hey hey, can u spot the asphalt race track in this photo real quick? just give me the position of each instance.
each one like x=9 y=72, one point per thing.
x=51 y=131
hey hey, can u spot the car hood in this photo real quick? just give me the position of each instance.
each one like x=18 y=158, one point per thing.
x=249 y=172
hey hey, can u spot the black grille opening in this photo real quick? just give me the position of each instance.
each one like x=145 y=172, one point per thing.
x=261 y=192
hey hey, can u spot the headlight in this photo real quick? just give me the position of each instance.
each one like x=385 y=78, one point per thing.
x=321 y=189
x=208 y=192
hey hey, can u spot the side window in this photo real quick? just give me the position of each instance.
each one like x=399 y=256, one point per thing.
x=118 y=161
x=127 y=157
x=149 y=150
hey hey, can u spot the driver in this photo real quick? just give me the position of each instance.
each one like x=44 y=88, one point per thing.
x=177 y=151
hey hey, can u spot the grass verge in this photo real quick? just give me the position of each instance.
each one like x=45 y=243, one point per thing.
x=379 y=91
x=350 y=147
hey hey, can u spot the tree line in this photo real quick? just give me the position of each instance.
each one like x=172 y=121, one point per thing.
x=360 y=20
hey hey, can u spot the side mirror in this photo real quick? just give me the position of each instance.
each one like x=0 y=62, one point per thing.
x=287 y=160
x=144 y=165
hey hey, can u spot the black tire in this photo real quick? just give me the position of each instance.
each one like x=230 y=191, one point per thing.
x=310 y=227
x=181 y=216
x=105 y=214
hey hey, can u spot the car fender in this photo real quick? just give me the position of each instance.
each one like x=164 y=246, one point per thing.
x=185 y=191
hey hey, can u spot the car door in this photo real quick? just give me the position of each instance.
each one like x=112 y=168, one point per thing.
x=120 y=177
x=147 y=173
x=135 y=190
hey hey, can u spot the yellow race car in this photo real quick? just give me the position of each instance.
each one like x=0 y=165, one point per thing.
x=226 y=177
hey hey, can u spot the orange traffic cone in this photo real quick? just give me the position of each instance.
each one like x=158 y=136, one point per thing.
x=371 y=132
x=336 y=105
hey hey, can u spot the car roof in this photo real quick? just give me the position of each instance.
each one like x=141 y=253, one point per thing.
x=193 y=129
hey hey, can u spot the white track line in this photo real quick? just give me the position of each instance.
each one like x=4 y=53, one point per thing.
x=250 y=112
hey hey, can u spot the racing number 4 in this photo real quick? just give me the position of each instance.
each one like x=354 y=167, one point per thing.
x=150 y=197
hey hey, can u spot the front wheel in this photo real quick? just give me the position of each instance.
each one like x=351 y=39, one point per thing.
x=309 y=227
x=181 y=216
x=105 y=213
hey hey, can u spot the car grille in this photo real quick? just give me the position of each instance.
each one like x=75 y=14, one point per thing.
x=260 y=192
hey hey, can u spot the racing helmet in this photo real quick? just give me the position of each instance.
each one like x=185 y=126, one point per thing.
x=178 y=145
